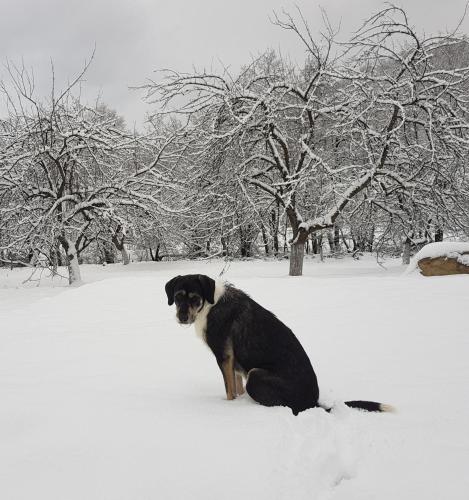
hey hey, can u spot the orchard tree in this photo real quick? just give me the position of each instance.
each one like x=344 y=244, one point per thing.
x=67 y=171
x=382 y=122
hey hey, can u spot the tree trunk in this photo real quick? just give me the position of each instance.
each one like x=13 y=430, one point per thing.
x=245 y=239
x=406 y=252
x=344 y=240
x=330 y=240
x=156 y=256
x=276 y=244
x=265 y=240
x=297 y=254
x=224 y=246
x=54 y=259
x=336 y=238
x=315 y=243
x=74 y=274
x=125 y=256
x=369 y=239
x=285 y=237
x=109 y=256
x=118 y=239
x=275 y=229
x=439 y=234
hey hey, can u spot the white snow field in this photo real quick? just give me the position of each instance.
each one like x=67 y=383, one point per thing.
x=103 y=396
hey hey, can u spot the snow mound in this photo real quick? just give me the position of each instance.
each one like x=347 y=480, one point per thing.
x=448 y=249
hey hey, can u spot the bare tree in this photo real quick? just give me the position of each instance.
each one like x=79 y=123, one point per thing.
x=381 y=123
x=68 y=170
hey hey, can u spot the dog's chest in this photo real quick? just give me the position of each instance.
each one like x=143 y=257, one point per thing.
x=200 y=323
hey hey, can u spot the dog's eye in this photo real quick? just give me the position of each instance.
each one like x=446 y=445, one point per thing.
x=195 y=300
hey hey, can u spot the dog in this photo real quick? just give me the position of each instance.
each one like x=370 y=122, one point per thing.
x=249 y=342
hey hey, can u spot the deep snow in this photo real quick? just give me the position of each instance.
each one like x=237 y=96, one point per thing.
x=103 y=396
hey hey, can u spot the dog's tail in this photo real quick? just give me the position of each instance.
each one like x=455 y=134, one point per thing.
x=367 y=406
x=370 y=406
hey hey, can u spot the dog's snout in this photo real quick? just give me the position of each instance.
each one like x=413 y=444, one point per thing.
x=183 y=316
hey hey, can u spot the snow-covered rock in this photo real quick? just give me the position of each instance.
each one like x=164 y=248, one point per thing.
x=442 y=258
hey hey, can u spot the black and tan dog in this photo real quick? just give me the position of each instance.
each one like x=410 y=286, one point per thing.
x=249 y=341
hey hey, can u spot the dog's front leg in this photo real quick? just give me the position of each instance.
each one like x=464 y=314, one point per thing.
x=227 y=369
x=239 y=384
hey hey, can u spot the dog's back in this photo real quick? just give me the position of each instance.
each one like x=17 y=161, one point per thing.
x=260 y=341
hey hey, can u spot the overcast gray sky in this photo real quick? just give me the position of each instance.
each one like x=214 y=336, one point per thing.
x=135 y=37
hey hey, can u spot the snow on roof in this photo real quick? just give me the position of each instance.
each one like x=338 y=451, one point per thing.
x=449 y=249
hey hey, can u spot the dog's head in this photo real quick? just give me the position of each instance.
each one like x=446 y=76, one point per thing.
x=189 y=293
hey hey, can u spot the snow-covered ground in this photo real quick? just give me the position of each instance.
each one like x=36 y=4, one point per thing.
x=103 y=396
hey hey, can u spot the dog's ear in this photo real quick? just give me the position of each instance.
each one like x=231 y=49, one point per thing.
x=208 y=287
x=169 y=287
